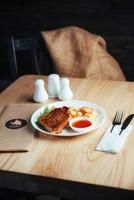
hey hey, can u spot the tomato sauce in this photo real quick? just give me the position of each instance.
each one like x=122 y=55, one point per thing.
x=81 y=123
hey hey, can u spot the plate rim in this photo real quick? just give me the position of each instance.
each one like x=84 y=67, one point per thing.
x=67 y=102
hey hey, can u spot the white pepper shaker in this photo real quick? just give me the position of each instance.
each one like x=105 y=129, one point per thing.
x=53 y=85
x=40 y=94
x=65 y=90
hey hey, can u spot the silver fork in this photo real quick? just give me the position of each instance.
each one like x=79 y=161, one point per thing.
x=117 y=119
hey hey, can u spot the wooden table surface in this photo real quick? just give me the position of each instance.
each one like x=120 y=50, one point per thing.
x=55 y=163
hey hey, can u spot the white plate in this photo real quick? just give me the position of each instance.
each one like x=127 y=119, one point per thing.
x=71 y=103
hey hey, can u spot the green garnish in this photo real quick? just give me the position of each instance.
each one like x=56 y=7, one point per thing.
x=46 y=110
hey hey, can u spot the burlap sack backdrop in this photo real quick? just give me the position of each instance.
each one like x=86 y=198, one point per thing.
x=77 y=53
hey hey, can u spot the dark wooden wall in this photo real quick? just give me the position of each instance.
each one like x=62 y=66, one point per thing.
x=113 y=19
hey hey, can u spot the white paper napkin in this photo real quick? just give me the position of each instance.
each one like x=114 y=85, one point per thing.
x=112 y=142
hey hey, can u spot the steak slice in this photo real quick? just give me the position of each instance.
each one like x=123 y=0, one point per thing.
x=56 y=120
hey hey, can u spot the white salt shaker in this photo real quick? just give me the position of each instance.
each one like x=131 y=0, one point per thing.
x=40 y=94
x=65 y=90
x=53 y=85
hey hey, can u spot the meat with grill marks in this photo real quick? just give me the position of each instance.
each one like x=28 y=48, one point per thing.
x=56 y=120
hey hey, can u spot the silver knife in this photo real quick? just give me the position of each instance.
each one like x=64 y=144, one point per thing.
x=126 y=122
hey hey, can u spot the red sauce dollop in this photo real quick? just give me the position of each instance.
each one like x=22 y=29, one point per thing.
x=81 y=123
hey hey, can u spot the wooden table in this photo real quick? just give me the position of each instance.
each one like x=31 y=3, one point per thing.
x=70 y=167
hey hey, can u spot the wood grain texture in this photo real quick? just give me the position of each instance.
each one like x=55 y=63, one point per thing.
x=75 y=158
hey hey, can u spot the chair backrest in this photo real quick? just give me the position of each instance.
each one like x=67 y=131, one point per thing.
x=15 y=45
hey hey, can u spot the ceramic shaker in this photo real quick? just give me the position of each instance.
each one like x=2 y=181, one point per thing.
x=40 y=94
x=53 y=85
x=65 y=90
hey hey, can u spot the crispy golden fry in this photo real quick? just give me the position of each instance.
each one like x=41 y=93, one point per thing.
x=79 y=114
x=85 y=109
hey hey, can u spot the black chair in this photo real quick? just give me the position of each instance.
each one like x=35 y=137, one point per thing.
x=4 y=84
x=20 y=51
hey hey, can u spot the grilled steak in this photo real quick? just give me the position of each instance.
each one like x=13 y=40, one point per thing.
x=56 y=120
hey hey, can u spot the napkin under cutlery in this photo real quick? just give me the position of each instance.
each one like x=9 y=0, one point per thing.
x=112 y=142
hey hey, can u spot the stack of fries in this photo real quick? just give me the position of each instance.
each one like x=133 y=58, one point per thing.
x=83 y=111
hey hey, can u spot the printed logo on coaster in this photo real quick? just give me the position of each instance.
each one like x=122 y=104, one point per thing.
x=16 y=123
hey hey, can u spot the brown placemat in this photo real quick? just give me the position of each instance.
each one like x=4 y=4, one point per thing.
x=16 y=132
